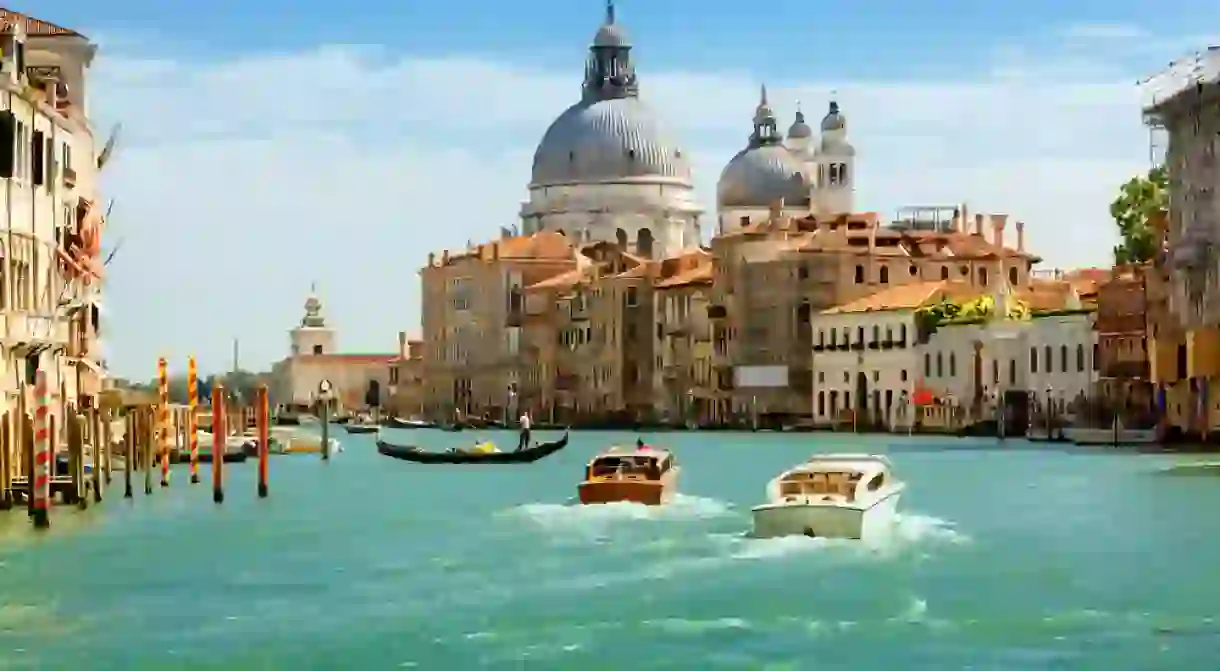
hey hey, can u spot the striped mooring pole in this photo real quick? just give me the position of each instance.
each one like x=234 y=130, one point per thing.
x=40 y=483
x=163 y=433
x=192 y=428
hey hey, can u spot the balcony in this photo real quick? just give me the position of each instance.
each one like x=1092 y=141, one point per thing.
x=717 y=312
x=876 y=344
x=1126 y=370
x=70 y=178
x=677 y=329
x=21 y=329
x=887 y=344
x=819 y=347
x=857 y=347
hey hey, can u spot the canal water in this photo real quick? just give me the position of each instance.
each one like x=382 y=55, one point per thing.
x=1006 y=557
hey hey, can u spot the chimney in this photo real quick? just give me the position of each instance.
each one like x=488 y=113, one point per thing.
x=978 y=224
x=965 y=220
x=957 y=221
x=403 y=352
x=1021 y=236
x=445 y=258
x=495 y=251
x=998 y=222
x=431 y=259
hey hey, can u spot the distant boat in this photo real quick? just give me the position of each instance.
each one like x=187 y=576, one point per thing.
x=477 y=456
x=399 y=423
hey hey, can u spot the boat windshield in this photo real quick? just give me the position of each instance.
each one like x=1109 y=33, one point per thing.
x=802 y=483
x=620 y=465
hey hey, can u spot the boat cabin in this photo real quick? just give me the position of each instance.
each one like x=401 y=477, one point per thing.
x=623 y=464
x=831 y=478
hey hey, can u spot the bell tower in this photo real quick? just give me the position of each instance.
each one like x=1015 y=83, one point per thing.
x=312 y=336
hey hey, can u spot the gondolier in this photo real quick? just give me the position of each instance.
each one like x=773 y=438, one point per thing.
x=524 y=441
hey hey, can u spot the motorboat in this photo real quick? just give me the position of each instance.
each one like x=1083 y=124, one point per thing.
x=361 y=427
x=641 y=474
x=400 y=423
x=297 y=440
x=831 y=496
x=1116 y=435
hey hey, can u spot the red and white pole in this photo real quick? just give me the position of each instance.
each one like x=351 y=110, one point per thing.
x=40 y=483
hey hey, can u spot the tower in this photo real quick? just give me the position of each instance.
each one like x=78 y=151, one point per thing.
x=312 y=336
x=836 y=158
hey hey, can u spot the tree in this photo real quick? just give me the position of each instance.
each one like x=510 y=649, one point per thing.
x=1139 y=200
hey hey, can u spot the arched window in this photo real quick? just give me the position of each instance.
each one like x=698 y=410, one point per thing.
x=859 y=274
x=1079 y=358
x=1063 y=358
x=902 y=333
x=821 y=403
x=944 y=272
x=940 y=364
x=885 y=275
x=927 y=364
x=1012 y=372
x=1012 y=275
x=983 y=277
x=952 y=365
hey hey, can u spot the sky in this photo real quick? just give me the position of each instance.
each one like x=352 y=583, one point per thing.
x=269 y=146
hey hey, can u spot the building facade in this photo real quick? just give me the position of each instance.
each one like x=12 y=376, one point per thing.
x=1184 y=354
x=360 y=382
x=50 y=270
x=406 y=379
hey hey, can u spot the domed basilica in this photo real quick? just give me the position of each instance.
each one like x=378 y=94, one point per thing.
x=607 y=170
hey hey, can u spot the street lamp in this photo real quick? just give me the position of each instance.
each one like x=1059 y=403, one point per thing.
x=690 y=405
x=325 y=394
x=1050 y=410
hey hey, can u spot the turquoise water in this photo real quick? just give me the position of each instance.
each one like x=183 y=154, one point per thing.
x=1006 y=558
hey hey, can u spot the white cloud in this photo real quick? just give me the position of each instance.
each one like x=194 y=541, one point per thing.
x=347 y=165
x=1103 y=31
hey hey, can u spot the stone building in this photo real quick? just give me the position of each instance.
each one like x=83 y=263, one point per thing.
x=406 y=379
x=50 y=266
x=360 y=381
x=1185 y=349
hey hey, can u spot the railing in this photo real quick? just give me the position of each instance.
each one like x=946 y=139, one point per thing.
x=1126 y=370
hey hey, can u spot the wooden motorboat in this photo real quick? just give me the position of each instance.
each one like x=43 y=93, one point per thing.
x=528 y=455
x=644 y=475
x=361 y=428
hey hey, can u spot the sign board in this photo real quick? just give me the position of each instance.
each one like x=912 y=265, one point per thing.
x=760 y=377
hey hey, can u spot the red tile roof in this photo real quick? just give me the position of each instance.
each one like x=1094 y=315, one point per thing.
x=35 y=27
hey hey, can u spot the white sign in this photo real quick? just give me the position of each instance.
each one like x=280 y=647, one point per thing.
x=324 y=388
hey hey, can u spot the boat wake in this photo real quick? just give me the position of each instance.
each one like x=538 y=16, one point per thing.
x=910 y=529
x=565 y=515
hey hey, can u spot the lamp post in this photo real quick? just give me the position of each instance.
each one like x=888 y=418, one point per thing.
x=325 y=393
x=1050 y=411
x=509 y=404
x=691 y=420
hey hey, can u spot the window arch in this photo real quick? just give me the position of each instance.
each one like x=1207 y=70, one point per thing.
x=1079 y=358
x=885 y=275
x=1063 y=358
x=983 y=276
x=944 y=272
x=1012 y=275
x=940 y=364
x=859 y=274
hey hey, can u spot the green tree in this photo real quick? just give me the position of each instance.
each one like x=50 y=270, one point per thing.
x=1139 y=200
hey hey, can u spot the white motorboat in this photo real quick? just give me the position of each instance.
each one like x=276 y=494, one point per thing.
x=831 y=496
x=300 y=440
x=1117 y=434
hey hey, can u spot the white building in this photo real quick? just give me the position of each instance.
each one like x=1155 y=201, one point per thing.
x=50 y=271
x=809 y=175
x=1052 y=353
x=867 y=357
x=606 y=169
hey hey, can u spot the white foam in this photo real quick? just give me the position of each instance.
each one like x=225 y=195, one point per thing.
x=909 y=530
x=682 y=508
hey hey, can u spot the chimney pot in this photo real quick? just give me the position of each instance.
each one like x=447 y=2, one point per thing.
x=978 y=224
x=402 y=345
x=431 y=259
x=998 y=222
x=445 y=258
x=1020 y=236
x=495 y=251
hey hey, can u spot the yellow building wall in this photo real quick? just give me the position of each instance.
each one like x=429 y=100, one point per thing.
x=1203 y=352
x=1163 y=360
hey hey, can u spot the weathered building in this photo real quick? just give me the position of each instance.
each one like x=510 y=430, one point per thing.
x=406 y=379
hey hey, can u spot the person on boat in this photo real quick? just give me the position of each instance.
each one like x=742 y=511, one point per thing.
x=524 y=441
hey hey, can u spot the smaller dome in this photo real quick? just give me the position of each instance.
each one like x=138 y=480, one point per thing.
x=799 y=130
x=834 y=119
x=611 y=35
x=759 y=175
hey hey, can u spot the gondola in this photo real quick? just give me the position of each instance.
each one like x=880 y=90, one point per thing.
x=528 y=455
x=361 y=428
x=399 y=423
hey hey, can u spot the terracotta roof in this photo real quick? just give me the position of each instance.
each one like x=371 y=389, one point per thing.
x=345 y=358
x=566 y=280
x=540 y=245
x=701 y=274
x=35 y=27
x=1043 y=295
x=904 y=297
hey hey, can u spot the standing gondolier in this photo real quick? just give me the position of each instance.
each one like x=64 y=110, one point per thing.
x=524 y=440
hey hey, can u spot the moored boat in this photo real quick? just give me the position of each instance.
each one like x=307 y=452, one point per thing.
x=641 y=474
x=1117 y=434
x=292 y=440
x=400 y=423
x=361 y=428
x=831 y=496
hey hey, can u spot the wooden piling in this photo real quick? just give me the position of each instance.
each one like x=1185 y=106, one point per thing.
x=163 y=426
x=148 y=432
x=94 y=429
x=6 y=458
x=192 y=428
x=262 y=420
x=220 y=437
x=75 y=425
x=108 y=440
x=40 y=481
x=129 y=450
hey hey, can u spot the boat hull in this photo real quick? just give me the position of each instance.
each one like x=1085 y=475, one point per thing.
x=1089 y=436
x=825 y=519
x=646 y=492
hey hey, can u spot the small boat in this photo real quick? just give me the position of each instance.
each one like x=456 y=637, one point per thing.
x=1115 y=435
x=480 y=455
x=301 y=441
x=644 y=475
x=831 y=496
x=399 y=423
x=361 y=428
x=452 y=428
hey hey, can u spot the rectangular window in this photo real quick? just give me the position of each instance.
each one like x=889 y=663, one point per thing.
x=38 y=163
x=8 y=144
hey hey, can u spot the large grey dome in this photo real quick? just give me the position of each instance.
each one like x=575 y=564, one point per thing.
x=758 y=176
x=607 y=140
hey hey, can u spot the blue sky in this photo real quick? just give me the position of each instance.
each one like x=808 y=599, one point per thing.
x=291 y=142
